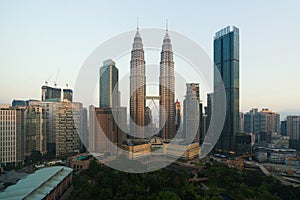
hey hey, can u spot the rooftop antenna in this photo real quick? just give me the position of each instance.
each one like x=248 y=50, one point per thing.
x=166 y=24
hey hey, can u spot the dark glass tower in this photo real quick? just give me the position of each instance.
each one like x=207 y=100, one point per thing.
x=109 y=76
x=226 y=59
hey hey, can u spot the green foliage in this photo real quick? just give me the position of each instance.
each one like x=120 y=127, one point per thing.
x=101 y=182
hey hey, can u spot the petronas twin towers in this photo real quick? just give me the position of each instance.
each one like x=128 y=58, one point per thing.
x=138 y=90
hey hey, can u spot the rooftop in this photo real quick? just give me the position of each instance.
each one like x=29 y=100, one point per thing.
x=36 y=185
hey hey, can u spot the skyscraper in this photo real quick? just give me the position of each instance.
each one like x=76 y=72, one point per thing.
x=293 y=127
x=255 y=122
x=109 y=76
x=167 y=91
x=191 y=113
x=137 y=88
x=35 y=134
x=272 y=120
x=226 y=59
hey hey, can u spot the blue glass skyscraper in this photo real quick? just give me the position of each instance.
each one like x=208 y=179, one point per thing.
x=226 y=59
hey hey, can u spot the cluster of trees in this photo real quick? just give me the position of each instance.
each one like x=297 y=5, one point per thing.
x=101 y=182
x=247 y=184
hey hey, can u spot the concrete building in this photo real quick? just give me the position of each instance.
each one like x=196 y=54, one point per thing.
x=35 y=133
x=191 y=113
x=63 y=126
x=12 y=132
x=80 y=162
x=48 y=183
x=68 y=128
x=226 y=59
x=293 y=127
x=167 y=91
x=272 y=120
x=107 y=129
x=255 y=122
x=182 y=151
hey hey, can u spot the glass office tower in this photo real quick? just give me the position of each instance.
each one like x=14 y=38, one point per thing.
x=226 y=59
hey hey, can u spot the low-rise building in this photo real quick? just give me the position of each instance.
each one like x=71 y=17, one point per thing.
x=47 y=183
x=80 y=162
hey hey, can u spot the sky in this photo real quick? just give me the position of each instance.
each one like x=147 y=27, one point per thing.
x=50 y=40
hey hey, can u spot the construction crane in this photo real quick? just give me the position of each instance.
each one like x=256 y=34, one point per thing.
x=47 y=81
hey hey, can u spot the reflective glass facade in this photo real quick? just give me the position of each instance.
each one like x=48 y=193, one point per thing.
x=226 y=59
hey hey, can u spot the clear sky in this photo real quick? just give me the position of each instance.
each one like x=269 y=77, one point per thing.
x=43 y=38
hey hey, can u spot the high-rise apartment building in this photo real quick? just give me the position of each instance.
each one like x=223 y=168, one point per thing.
x=109 y=76
x=63 y=126
x=35 y=133
x=226 y=59
x=167 y=90
x=272 y=120
x=137 y=89
x=12 y=132
x=68 y=128
x=255 y=122
x=293 y=127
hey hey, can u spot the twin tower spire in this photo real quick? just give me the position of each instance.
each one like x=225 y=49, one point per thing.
x=138 y=90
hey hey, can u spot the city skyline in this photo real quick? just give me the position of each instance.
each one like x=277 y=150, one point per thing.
x=24 y=54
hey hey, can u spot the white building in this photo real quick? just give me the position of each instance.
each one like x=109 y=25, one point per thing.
x=12 y=122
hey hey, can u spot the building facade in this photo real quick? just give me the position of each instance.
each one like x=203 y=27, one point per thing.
x=191 y=113
x=226 y=59
x=293 y=127
x=107 y=129
x=137 y=89
x=35 y=134
x=272 y=120
x=63 y=126
x=50 y=93
x=109 y=76
x=255 y=122
x=12 y=133
x=68 y=95
x=167 y=91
